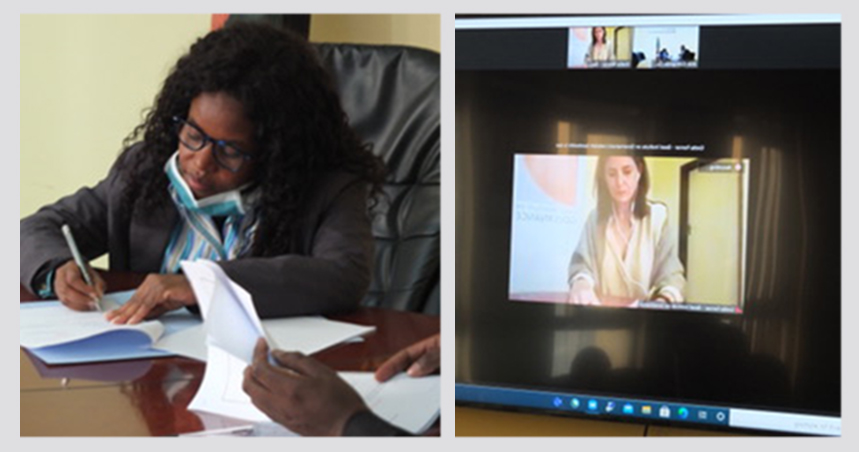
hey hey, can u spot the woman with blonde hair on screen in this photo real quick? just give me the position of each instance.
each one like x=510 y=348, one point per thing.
x=626 y=253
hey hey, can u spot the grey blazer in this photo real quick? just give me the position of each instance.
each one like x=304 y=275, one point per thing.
x=327 y=268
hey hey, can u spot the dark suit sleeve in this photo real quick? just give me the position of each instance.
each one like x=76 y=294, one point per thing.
x=335 y=274
x=42 y=244
x=365 y=423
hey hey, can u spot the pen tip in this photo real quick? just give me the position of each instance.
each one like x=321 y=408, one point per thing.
x=96 y=303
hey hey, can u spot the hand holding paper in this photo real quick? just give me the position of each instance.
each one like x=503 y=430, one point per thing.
x=297 y=391
x=300 y=393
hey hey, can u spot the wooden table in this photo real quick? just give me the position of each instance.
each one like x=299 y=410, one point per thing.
x=150 y=397
x=472 y=421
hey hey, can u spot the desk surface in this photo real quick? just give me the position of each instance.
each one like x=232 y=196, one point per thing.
x=482 y=422
x=150 y=396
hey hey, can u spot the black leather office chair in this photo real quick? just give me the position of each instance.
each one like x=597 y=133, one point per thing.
x=392 y=97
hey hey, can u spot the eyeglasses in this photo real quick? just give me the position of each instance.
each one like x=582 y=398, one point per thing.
x=227 y=154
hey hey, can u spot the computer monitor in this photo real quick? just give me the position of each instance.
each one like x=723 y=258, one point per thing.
x=648 y=220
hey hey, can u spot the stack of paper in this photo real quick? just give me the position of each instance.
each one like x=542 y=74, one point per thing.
x=233 y=328
x=409 y=403
x=226 y=338
x=59 y=335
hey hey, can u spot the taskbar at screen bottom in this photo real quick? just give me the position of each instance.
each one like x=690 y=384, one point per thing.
x=638 y=409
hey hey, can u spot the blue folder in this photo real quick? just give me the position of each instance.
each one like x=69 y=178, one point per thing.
x=111 y=345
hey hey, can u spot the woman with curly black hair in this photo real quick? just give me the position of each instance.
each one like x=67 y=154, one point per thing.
x=246 y=158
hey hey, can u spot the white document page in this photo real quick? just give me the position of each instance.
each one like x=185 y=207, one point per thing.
x=231 y=321
x=305 y=334
x=409 y=403
x=413 y=404
x=309 y=335
x=232 y=324
x=202 y=280
x=221 y=390
x=190 y=342
x=232 y=328
x=43 y=324
x=87 y=337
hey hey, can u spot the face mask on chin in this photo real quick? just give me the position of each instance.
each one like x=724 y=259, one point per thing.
x=222 y=204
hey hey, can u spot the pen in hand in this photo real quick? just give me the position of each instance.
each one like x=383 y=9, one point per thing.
x=82 y=265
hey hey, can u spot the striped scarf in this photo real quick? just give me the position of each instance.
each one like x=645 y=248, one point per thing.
x=197 y=235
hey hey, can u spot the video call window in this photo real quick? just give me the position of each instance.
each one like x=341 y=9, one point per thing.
x=665 y=47
x=629 y=231
x=620 y=47
x=600 y=47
